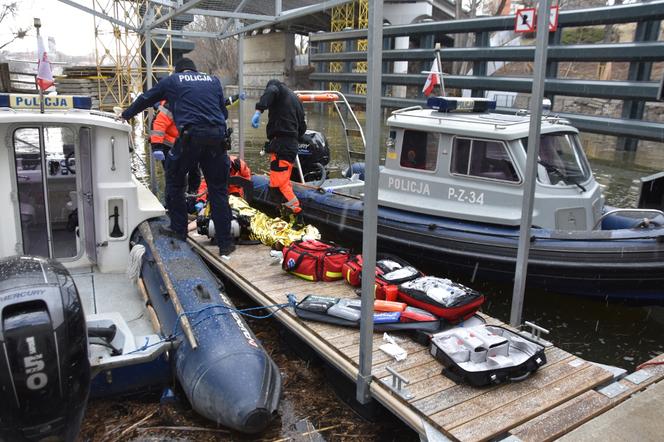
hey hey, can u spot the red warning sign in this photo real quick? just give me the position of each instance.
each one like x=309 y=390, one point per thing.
x=553 y=18
x=525 y=20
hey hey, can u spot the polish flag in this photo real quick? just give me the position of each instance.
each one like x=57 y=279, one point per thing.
x=432 y=79
x=44 y=74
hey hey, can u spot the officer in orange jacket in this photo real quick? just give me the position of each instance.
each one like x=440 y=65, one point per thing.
x=285 y=126
x=162 y=138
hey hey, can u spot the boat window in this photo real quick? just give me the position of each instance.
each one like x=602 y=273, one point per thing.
x=419 y=150
x=483 y=159
x=61 y=188
x=561 y=159
x=30 y=190
x=46 y=187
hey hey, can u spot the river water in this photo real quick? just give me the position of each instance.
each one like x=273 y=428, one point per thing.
x=611 y=333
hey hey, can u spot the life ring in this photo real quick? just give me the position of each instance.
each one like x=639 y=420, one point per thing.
x=321 y=98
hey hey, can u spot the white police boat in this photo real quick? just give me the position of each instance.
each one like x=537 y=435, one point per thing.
x=73 y=324
x=450 y=193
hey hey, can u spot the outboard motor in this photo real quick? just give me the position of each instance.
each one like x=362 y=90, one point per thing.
x=314 y=153
x=44 y=366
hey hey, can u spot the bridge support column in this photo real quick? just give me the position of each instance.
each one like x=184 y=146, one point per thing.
x=403 y=14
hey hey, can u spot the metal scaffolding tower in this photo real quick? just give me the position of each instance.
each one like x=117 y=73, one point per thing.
x=343 y=17
x=123 y=59
x=362 y=23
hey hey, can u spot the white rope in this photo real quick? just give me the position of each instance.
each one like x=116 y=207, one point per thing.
x=135 y=262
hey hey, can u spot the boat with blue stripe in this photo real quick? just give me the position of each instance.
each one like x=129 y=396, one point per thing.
x=450 y=194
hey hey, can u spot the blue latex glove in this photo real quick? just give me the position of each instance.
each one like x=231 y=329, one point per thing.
x=243 y=95
x=199 y=206
x=158 y=155
x=256 y=120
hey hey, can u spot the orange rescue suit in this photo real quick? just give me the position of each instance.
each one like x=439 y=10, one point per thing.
x=241 y=171
x=163 y=127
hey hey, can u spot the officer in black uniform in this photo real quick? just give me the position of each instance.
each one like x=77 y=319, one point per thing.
x=285 y=126
x=199 y=112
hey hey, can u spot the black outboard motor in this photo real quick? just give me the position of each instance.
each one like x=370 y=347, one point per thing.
x=314 y=153
x=44 y=366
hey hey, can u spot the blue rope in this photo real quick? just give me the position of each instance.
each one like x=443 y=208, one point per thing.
x=292 y=301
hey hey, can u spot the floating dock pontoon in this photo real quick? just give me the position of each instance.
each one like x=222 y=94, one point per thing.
x=560 y=396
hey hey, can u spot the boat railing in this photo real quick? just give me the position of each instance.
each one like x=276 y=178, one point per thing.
x=335 y=98
x=653 y=212
x=498 y=124
x=406 y=109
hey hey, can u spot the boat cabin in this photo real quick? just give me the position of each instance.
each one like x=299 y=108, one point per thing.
x=70 y=193
x=459 y=160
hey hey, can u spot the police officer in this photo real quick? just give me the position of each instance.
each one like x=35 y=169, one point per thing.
x=162 y=138
x=199 y=112
x=285 y=126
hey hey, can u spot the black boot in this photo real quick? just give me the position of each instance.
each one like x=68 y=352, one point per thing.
x=227 y=250
x=167 y=231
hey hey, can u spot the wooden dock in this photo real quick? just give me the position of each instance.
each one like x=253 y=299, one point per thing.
x=559 y=397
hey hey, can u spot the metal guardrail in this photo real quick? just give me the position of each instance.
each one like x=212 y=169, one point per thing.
x=634 y=92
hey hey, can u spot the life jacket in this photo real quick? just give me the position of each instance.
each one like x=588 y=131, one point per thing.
x=315 y=260
x=164 y=130
x=238 y=168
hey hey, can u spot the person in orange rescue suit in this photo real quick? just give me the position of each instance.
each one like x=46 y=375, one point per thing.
x=238 y=168
x=285 y=126
x=162 y=138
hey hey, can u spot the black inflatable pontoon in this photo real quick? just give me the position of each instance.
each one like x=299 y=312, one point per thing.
x=228 y=377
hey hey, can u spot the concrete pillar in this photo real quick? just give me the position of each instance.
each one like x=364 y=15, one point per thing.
x=400 y=67
x=268 y=56
x=403 y=14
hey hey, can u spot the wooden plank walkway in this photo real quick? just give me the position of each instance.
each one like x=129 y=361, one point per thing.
x=557 y=398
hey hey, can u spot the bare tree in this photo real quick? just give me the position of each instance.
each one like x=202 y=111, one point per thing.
x=9 y=10
x=211 y=55
x=464 y=40
x=500 y=7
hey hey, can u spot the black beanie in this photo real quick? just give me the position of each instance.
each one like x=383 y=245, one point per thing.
x=184 y=64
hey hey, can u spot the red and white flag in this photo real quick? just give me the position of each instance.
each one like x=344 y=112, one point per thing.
x=432 y=80
x=44 y=74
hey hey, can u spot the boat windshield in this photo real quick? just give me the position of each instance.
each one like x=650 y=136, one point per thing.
x=561 y=160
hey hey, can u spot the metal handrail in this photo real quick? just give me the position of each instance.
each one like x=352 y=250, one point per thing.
x=339 y=113
x=655 y=212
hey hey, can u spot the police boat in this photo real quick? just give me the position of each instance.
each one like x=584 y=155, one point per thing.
x=450 y=193
x=73 y=324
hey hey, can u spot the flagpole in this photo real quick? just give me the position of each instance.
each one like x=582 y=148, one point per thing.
x=440 y=70
x=37 y=24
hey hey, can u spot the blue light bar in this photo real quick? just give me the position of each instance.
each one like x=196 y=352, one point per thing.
x=51 y=102
x=459 y=104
